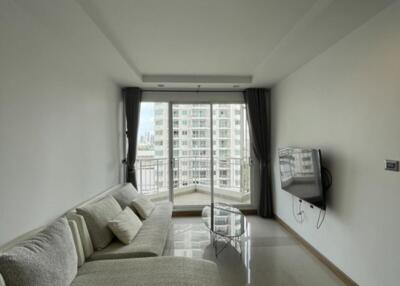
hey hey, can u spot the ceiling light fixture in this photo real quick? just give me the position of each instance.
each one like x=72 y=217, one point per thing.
x=160 y=85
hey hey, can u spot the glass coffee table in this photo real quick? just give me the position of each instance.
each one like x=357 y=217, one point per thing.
x=226 y=223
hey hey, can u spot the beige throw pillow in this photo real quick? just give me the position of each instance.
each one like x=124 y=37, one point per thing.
x=125 y=225
x=125 y=195
x=97 y=215
x=143 y=206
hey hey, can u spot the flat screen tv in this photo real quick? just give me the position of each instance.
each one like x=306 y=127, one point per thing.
x=301 y=174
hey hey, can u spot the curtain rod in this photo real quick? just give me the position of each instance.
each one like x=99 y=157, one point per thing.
x=180 y=90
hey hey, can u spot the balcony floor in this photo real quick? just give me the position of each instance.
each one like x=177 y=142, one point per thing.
x=194 y=196
x=198 y=198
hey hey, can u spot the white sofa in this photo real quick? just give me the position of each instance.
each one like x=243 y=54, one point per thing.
x=152 y=236
x=45 y=258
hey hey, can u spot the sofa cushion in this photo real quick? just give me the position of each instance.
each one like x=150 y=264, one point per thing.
x=149 y=241
x=87 y=244
x=48 y=258
x=77 y=242
x=181 y=271
x=143 y=206
x=97 y=215
x=125 y=195
x=125 y=226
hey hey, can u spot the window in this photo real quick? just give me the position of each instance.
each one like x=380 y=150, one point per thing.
x=223 y=173
x=189 y=142
x=223 y=123
x=199 y=134
x=223 y=143
x=224 y=113
x=224 y=133
x=198 y=113
x=200 y=143
x=199 y=123
x=223 y=153
x=152 y=149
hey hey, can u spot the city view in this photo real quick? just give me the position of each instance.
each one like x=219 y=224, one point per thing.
x=191 y=153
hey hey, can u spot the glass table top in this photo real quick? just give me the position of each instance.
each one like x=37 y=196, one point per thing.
x=224 y=220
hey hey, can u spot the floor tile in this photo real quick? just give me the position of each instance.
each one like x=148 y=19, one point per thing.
x=270 y=256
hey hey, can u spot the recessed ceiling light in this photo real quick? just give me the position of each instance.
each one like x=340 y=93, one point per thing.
x=160 y=85
x=236 y=86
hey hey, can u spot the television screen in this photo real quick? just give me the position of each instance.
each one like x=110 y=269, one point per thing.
x=300 y=171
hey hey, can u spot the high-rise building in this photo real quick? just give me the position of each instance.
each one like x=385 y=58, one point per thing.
x=191 y=144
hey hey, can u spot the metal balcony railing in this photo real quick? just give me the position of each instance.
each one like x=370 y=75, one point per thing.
x=230 y=174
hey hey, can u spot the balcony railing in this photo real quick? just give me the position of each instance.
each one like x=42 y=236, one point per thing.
x=190 y=174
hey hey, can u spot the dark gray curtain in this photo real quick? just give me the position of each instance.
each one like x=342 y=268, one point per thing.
x=132 y=97
x=258 y=116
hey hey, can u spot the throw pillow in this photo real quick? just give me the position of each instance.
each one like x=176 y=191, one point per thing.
x=97 y=215
x=143 y=206
x=125 y=225
x=125 y=195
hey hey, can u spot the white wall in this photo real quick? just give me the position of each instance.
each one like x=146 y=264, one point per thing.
x=347 y=102
x=59 y=124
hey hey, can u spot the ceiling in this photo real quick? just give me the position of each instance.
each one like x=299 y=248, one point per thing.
x=217 y=44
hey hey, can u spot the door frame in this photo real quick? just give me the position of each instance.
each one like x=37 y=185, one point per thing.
x=209 y=98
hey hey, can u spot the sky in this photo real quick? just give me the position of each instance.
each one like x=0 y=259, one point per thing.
x=146 y=123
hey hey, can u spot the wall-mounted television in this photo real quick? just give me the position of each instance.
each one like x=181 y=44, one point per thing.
x=301 y=174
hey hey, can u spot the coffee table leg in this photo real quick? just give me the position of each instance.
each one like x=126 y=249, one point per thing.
x=214 y=242
x=239 y=242
x=227 y=241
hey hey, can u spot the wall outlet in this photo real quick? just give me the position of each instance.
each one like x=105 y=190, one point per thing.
x=392 y=165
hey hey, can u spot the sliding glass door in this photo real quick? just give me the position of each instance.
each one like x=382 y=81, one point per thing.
x=193 y=154
x=152 y=163
x=191 y=125
x=231 y=147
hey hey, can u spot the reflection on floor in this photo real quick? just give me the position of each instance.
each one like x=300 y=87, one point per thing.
x=270 y=256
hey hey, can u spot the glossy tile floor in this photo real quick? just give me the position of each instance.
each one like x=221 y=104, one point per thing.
x=270 y=256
